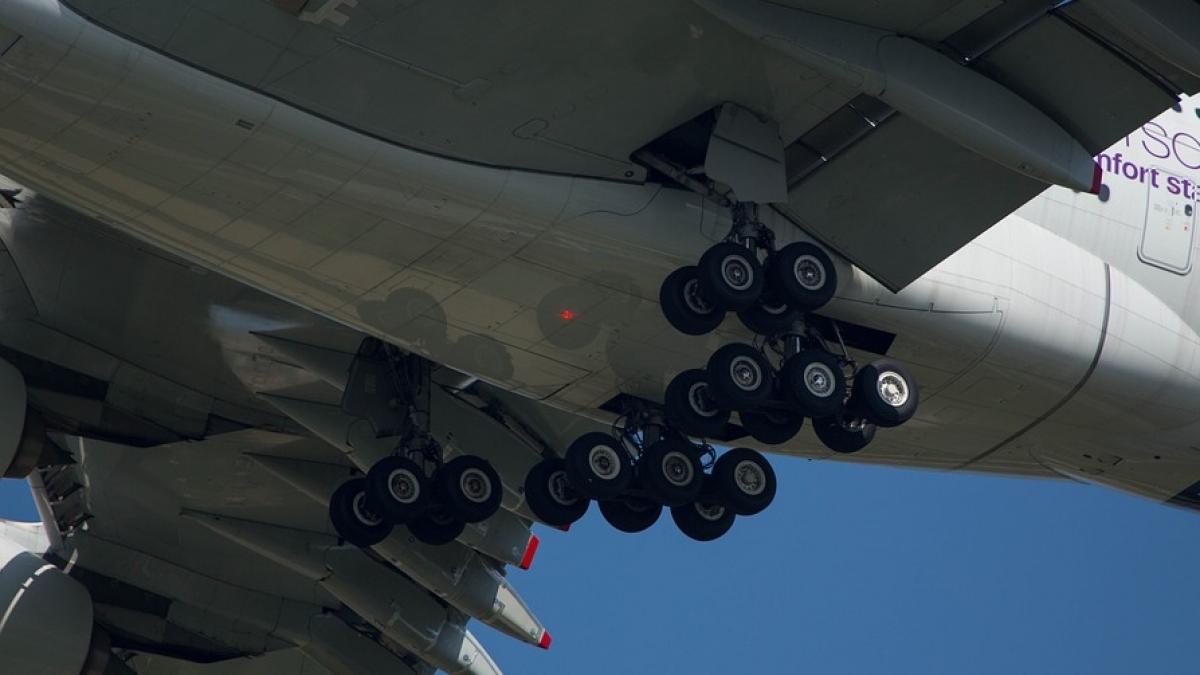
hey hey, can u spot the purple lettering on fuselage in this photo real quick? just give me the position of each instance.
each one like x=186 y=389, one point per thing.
x=1171 y=152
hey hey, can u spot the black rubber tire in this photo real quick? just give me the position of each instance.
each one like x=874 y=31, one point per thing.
x=352 y=514
x=769 y=316
x=683 y=301
x=807 y=397
x=671 y=472
x=868 y=399
x=772 y=427
x=398 y=488
x=550 y=496
x=844 y=437
x=437 y=527
x=631 y=515
x=745 y=481
x=715 y=272
x=809 y=294
x=723 y=367
x=705 y=519
x=691 y=406
x=598 y=466
x=469 y=488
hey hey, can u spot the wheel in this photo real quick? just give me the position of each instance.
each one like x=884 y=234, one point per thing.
x=703 y=520
x=631 y=515
x=437 y=527
x=354 y=517
x=844 y=436
x=740 y=376
x=731 y=276
x=773 y=427
x=804 y=275
x=469 y=488
x=686 y=306
x=598 y=466
x=550 y=495
x=745 y=481
x=886 y=393
x=770 y=315
x=398 y=488
x=691 y=406
x=814 y=380
x=671 y=472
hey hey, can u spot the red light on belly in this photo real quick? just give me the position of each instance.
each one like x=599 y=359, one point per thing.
x=566 y=315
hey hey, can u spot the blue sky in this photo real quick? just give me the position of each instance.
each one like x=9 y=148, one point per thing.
x=870 y=570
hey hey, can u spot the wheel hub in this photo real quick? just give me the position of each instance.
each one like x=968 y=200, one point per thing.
x=700 y=402
x=810 y=273
x=710 y=512
x=736 y=273
x=560 y=489
x=819 y=380
x=746 y=373
x=750 y=478
x=363 y=512
x=893 y=388
x=694 y=298
x=604 y=462
x=677 y=469
x=403 y=486
x=475 y=485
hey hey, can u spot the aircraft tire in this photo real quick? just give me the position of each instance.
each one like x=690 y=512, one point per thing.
x=772 y=427
x=745 y=481
x=685 y=305
x=731 y=275
x=843 y=438
x=886 y=393
x=670 y=470
x=598 y=466
x=437 y=527
x=550 y=495
x=814 y=380
x=691 y=407
x=740 y=376
x=804 y=275
x=470 y=488
x=354 y=517
x=705 y=519
x=769 y=316
x=631 y=515
x=398 y=488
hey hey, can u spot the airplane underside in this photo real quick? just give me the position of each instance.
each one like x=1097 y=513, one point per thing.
x=368 y=345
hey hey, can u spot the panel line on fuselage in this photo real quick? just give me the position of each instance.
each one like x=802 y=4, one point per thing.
x=1087 y=375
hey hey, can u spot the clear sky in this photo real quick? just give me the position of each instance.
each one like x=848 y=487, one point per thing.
x=870 y=570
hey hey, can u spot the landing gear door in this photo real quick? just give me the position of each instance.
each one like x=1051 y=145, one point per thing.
x=1170 y=227
x=746 y=153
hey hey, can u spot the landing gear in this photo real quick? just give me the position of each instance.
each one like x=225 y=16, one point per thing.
x=416 y=486
x=671 y=472
x=706 y=519
x=745 y=481
x=353 y=516
x=551 y=496
x=631 y=515
x=598 y=467
x=794 y=370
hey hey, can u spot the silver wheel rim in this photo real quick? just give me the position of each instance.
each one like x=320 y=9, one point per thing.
x=604 y=462
x=698 y=400
x=403 y=486
x=475 y=485
x=774 y=310
x=819 y=380
x=677 y=469
x=560 y=490
x=892 y=388
x=709 y=512
x=363 y=513
x=736 y=273
x=809 y=272
x=693 y=297
x=745 y=373
x=750 y=478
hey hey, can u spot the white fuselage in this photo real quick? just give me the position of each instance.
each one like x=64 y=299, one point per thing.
x=1060 y=341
